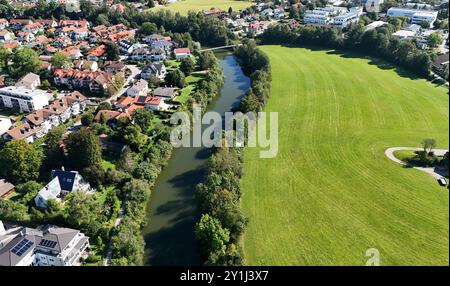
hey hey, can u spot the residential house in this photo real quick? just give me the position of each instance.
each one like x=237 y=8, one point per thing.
x=30 y=81
x=72 y=52
x=3 y=23
x=23 y=36
x=6 y=189
x=110 y=116
x=123 y=102
x=85 y=65
x=62 y=183
x=166 y=92
x=157 y=54
x=22 y=98
x=6 y=36
x=18 y=23
x=47 y=23
x=75 y=23
x=114 y=66
x=84 y=79
x=43 y=246
x=440 y=64
x=140 y=88
x=162 y=44
x=24 y=132
x=157 y=70
x=33 y=28
x=5 y=124
x=182 y=53
x=96 y=53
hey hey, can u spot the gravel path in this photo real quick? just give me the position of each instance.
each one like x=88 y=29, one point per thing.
x=438 y=152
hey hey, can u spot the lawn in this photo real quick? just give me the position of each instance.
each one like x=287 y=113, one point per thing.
x=404 y=154
x=184 y=6
x=331 y=193
x=191 y=83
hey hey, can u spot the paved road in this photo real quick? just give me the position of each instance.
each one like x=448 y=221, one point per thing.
x=134 y=72
x=438 y=152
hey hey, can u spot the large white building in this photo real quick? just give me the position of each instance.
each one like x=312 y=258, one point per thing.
x=331 y=15
x=414 y=16
x=348 y=18
x=43 y=246
x=22 y=98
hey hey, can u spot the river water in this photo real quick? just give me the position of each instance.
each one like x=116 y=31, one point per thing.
x=172 y=211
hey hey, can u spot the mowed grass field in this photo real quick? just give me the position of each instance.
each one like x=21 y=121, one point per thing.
x=331 y=193
x=184 y=6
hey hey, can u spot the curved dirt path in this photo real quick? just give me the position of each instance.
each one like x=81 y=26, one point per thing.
x=438 y=152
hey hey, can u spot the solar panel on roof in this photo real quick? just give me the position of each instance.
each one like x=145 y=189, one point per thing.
x=22 y=247
x=48 y=243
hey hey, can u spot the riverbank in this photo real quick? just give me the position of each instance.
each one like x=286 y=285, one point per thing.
x=173 y=211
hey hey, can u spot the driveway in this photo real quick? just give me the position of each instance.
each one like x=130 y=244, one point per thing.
x=438 y=152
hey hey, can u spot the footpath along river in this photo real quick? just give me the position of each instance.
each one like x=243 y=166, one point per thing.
x=173 y=211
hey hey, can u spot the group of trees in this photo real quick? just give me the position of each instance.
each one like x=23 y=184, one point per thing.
x=377 y=42
x=213 y=81
x=222 y=222
x=255 y=64
x=146 y=151
x=20 y=61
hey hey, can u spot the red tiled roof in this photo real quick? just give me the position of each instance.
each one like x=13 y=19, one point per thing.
x=182 y=51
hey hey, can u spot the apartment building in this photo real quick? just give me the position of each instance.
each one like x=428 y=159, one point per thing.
x=42 y=246
x=22 y=98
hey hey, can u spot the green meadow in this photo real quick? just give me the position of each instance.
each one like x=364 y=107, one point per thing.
x=184 y=6
x=331 y=193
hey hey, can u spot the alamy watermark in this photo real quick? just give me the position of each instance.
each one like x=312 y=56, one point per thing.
x=231 y=130
x=373 y=255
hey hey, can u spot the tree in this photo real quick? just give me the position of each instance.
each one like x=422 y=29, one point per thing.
x=128 y=244
x=25 y=61
x=207 y=60
x=434 y=40
x=60 y=60
x=87 y=119
x=143 y=118
x=54 y=154
x=250 y=103
x=133 y=136
x=148 y=28
x=13 y=211
x=425 y=25
x=104 y=106
x=210 y=235
x=112 y=51
x=20 y=162
x=5 y=55
x=45 y=84
x=83 y=150
x=428 y=145
x=126 y=161
x=84 y=211
x=28 y=187
x=187 y=66
x=146 y=171
x=175 y=78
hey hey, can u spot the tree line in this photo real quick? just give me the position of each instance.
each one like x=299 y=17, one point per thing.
x=377 y=42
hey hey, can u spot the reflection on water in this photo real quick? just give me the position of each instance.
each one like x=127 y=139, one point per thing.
x=173 y=211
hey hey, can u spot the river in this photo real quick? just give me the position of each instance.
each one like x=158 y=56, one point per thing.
x=172 y=211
